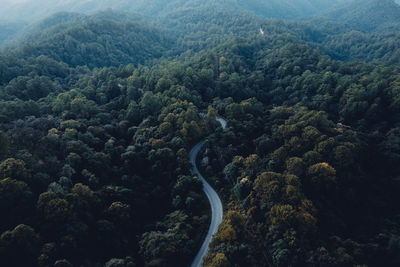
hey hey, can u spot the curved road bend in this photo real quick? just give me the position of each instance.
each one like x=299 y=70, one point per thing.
x=213 y=198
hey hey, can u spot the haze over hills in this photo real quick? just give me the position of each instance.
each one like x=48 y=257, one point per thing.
x=97 y=43
x=194 y=19
x=368 y=15
x=288 y=9
x=351 y=12
x=32 y=10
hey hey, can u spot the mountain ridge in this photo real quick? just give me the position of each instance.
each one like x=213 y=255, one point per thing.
x=368 y=15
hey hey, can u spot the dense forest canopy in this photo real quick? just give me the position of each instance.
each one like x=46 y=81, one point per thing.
x=29 y=9
x=368 y=15
x=99 y=110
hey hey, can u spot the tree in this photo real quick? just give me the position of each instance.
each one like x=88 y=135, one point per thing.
x=219 y=260
x=119 y=212
x=54 y=209
x=15 y=201
x=82 y=191
x=322 y=175
x=226 y=233
x=19 y=247
x=83 y=199
x=282 y=216
x=234 y=111
x=191 y=132
x=268 y=186
x=134 y=113
x=4 y=143
x=295 y=166
x=251 y=163
x=155 y=245
x=343 y=155
x=150 y=103
x=15 y=169
x=25 y=87
x=165 y=128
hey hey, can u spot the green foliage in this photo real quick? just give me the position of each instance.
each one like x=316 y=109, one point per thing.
x=4 y=143
x=370 y=15
x=219 y=260
x=26 y=88
x=322 y=175
x=16 y=202
x=96 y=42
x=19 y=246
x=15 y=169
x=95 y=153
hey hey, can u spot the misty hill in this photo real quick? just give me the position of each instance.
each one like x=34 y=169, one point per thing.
x=8 y=30
x=368 y=15
x=35 y=31
x=94 y=41
x=108 y=38
x=286 y=8
x=57 y=19
x=33 y=10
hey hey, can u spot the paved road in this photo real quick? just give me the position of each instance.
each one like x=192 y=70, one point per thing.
x=222 y=121
x=213 y=198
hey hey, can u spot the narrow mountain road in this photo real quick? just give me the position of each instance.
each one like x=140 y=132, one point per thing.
x=213 y=198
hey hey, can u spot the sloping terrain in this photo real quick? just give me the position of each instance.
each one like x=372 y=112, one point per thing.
x=368 y=15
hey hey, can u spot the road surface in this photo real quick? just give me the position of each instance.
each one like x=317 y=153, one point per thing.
x=222 y=121
x=213 y=198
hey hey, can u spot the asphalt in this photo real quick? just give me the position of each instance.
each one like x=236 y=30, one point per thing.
x=213 y=198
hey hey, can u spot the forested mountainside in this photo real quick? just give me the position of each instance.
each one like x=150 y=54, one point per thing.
x=368 y=15
x=273 y=8
x=8 y=31
x=99 y=113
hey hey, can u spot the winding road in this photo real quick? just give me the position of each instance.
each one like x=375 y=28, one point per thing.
x=213 y=198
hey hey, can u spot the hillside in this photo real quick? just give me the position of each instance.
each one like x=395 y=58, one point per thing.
x=287 y=9
x=368 y=15
x=94 y=42
x=32 y=10
x=9 y=30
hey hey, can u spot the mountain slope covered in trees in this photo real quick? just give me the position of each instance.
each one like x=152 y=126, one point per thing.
x=368 y=15
x=272 y=8
x=98 y=42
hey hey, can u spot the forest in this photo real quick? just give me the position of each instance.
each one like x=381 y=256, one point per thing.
x=98 y=114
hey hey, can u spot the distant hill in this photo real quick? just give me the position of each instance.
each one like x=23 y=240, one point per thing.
x=109 y=38
x=368 y=15
x=35 y=31
x=94 y=41
x=57 y=19
x=33 y=10
x=8 y=30
x=288 y=9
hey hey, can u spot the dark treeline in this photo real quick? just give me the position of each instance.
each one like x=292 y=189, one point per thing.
x=98 y=115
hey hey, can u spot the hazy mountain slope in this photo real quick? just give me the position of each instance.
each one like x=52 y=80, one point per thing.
x=69 y=38
x=368 y=15
x=97 y=42
x=36 y=31
x=287 y=8
x=8 y=30
x=57 y=19
x=31 y=10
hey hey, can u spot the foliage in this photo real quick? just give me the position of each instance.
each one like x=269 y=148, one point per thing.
x=94 y=146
